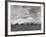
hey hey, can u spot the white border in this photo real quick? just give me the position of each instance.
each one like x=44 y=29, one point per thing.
x=24 y=32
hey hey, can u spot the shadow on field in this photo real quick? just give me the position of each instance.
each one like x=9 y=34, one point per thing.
x=25 y=27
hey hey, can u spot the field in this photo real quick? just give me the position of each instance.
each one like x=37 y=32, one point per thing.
x=25 y=27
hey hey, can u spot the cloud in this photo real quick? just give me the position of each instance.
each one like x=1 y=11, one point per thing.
x=23 y=15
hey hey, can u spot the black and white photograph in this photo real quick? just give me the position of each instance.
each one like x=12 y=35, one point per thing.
x=25 y=18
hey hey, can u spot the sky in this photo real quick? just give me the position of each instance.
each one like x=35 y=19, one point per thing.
x=23 y=14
